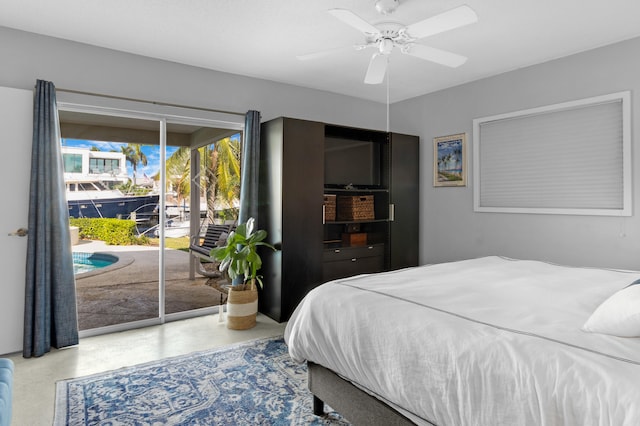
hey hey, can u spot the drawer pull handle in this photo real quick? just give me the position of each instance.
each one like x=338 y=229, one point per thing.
x=354 y=259
x=336 y=251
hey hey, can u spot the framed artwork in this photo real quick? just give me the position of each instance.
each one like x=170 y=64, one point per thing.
x=450 y=160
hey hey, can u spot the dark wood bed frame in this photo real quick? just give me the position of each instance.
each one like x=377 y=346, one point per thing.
x=356 y=405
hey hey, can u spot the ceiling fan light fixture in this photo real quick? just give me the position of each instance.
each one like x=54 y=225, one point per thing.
x=387 y=7
x=386 y=46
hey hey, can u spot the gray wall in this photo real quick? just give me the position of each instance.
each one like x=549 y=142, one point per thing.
x=450 y=230
x=26 y=57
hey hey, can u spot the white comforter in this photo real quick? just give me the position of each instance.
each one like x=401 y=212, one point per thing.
x=489 y=341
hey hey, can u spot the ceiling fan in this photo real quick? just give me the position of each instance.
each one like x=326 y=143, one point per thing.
x=386 y=35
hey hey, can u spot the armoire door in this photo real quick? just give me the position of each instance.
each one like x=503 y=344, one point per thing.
x=404 y=194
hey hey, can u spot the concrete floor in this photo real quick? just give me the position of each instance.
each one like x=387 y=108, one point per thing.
x=35 y=378
x=128 y=290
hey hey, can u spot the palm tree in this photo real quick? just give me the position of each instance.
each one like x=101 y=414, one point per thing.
x=219 y=172
x=227 y=171
x=178 y=172
x=457 y=157
x=134 y=155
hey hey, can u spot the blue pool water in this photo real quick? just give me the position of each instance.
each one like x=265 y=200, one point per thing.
x=87 y=262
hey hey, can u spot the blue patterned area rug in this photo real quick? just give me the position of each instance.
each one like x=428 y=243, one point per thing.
x=253 y=383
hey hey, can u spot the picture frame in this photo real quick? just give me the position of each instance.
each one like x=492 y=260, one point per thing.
x=450 y=160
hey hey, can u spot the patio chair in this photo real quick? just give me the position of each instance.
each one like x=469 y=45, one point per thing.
x=215 y=236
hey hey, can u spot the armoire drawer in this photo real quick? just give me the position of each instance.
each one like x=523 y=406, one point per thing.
x=349 y=261
x=348 y=253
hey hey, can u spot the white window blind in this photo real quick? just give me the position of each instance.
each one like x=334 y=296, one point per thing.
x=570 y=158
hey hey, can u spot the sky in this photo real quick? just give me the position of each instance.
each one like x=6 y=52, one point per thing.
x=151 y=152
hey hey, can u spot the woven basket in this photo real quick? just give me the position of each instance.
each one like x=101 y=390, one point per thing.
x=242 y=309
x=357 y=207
x=329 y=207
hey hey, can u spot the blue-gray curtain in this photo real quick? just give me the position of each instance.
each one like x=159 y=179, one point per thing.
x=250 y=168
x=50 y=314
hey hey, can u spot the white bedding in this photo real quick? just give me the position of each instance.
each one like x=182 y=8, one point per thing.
x=489 y=341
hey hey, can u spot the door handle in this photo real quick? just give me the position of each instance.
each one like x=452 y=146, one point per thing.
x=20 y=232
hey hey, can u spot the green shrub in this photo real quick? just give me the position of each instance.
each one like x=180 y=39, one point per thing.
x=111 y=231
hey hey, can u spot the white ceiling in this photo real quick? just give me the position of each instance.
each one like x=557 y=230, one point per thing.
x=261 y=38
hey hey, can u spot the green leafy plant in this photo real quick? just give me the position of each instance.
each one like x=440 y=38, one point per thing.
x=239 y=256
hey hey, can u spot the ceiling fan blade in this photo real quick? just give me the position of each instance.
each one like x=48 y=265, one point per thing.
x=353 y=20
x=377 y=69
x=322 y=53
x=454 y=18
x=438 y=56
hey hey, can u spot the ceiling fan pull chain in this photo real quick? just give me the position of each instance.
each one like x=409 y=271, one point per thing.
x=388 y=72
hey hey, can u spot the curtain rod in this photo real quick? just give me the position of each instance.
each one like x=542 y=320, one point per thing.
x=122 y=98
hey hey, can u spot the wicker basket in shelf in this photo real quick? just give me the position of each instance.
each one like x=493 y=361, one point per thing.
x=329 y=207
x=355 y=207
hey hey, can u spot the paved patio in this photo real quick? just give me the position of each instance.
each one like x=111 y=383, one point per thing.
x=128 y=290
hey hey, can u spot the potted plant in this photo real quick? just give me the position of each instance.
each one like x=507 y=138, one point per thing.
x=239 y=259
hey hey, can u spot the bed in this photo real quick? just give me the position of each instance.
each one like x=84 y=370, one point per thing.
x=488 y=341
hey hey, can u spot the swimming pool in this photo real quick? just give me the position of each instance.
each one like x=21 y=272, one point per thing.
x=87 y=262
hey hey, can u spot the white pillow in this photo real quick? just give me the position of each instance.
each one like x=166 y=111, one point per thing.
x=619 y=315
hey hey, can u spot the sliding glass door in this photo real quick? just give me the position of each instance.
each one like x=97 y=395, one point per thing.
x=141 y=190
x=202 y=189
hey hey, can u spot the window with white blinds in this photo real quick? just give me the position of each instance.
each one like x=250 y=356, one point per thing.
x=570 y=158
